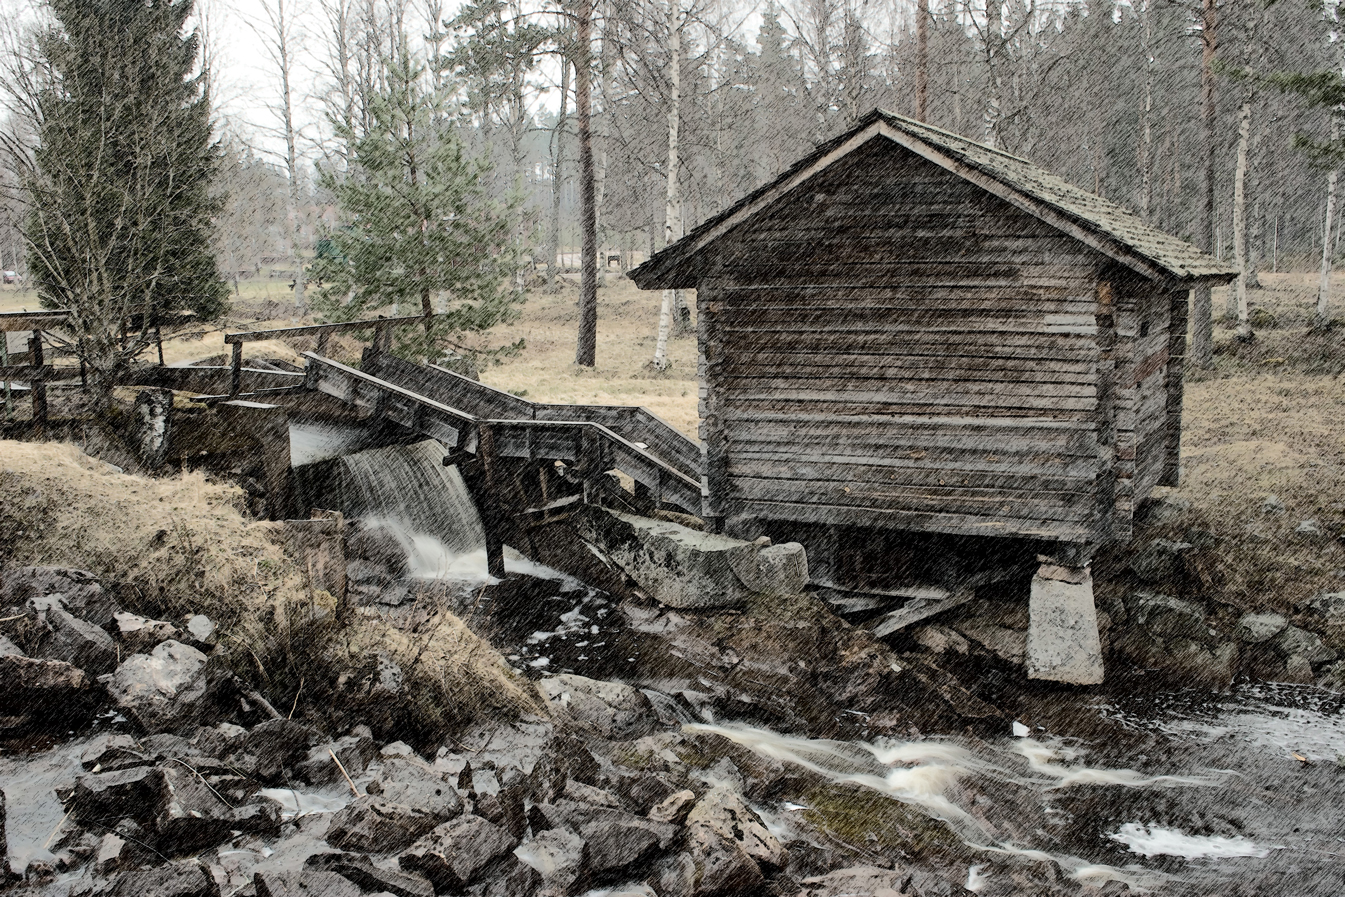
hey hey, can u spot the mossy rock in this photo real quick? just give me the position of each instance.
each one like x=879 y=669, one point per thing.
x=872 y=822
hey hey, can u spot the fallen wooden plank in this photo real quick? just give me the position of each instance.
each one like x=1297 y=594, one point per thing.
x=919 y=609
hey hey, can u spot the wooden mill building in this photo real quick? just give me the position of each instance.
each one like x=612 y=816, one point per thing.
x=909 y=331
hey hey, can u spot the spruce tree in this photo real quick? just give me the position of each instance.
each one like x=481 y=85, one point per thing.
x=420 y=232
x=120 y=188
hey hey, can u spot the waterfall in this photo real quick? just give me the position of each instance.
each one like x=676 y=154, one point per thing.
x=407 y=490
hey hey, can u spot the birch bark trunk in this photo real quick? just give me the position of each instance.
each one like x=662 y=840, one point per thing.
x=673 y=195
x=1238 y=295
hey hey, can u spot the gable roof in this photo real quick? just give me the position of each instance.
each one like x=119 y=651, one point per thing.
x=1097 y=222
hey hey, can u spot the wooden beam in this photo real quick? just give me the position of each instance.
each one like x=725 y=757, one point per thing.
x=13 y=321
x=252 y=336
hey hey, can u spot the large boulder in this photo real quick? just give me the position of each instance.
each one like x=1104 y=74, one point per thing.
x=78 y=592
x=1293 y=641
x=353 y=752
x=868 y=880
x=141 y=635
x=187 y=878
x=723 y=812
x=1253 y=629
x=372 y=824
x=1167 y=617
x=371 y=879
x=189 y=815
x=560 y=857
x=304 y=883
x=455 y=854
x=119 y=794
x=1159 y=560
x=610 y=710
x=687 y=568
x=275 y=745
x=78 y=642
x=163 y=690
x=413 y=783
x=50 y=695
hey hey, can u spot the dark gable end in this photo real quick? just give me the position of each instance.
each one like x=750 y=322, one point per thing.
x=1090 y=219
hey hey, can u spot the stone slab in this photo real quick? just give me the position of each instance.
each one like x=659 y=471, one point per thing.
x=1063 y=643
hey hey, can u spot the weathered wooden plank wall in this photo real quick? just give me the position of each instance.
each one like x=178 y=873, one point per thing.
x=891 y=346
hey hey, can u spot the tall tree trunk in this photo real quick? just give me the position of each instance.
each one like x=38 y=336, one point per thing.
x=1202 y=321
x=1324 y=287
x=994 y=39
x=557 y=176
x=673 y=199
x=921 y=59
x=1147 y=110
x=586 y=347
x=1239 y=293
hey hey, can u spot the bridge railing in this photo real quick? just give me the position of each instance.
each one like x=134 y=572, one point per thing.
x=382 y=328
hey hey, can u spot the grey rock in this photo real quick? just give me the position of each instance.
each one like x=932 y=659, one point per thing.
x=674 y=565
x=112 y=751
x=616 y=849
x=720 y=865
x=372 y=824
x=869 y=880
x=1293 y=641
x=1164 y=509
x=127 y=846
x=189 y=815
x=304 y=883
x=1159 y=560
x=610 y=710
x=318 y=768
x=520 y=881
x=415 y=784
x=456 y=854
x=79 y=643
x=1007 y=644
x=361 y=871
x=141 y=635
x=275 y=745
x=1168 y=617
x=643 y=790
x=560 y=857
x=1330 y=605
x=1063 y=641
x=187 y=878
x=1253 y=629
x=163 y=690
x=396 y=749
x=575 y=816
x=941 y=639
x=1272 y=505
x=9 y=649
x=99 y=797
x=79 y=591
x=1333 y=677
x=674 y=808
x=779 y=570
x=1297 y=669
x=201 y=627
x=722 y=812
x=507 y=809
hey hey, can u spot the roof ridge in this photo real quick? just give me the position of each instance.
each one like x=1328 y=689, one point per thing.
x=905 y=121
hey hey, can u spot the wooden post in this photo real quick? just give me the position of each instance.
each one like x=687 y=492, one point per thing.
x=479 y=475
x=236 y=371
x=4 y=362
x=39 y=387
x=158 y=341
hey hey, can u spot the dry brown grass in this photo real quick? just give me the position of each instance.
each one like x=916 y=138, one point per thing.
x=181 y=545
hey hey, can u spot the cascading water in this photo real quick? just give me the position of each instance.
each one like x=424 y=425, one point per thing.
x=407 y=491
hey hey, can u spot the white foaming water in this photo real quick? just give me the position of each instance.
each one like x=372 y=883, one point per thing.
x=1155 y=840
x=921 y=774
x=314 y=442
x=1041 y=758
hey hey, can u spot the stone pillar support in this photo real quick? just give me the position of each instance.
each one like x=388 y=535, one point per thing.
x=1063 y=644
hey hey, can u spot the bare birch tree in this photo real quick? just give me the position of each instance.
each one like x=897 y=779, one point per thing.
x=673 y=198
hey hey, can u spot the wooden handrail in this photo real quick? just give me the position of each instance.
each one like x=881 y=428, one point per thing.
x=252 y=336
x=16 y=321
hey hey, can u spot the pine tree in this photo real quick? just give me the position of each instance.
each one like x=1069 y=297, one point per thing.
x=420 y=229
x=120 y=185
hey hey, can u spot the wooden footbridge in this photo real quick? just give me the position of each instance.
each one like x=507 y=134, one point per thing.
x=525 y=462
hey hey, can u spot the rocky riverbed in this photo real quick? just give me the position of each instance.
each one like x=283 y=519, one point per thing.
x=774 y=749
